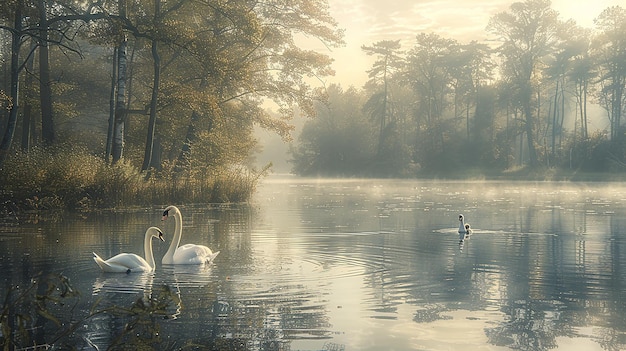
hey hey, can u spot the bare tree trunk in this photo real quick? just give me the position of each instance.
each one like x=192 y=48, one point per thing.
x=467 y=118
x=27 y=123
x=45 y=91
x=554 y=120
x=111 y=106
x=584 y=112
x=16 y=37
x=120 y=108
x=529 y=123
x=147 y=159
x=562 y=116
x=183 y=157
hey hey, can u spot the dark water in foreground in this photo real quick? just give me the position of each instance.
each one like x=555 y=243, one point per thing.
x=360 y=265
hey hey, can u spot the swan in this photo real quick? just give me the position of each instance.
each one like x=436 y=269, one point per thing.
x=188 y=253
x=468 y=232
x=130 y=263
x=461 y=224
x=462 y=229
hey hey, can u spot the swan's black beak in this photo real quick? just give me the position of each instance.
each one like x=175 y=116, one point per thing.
x=165 y=215
x=161 y=236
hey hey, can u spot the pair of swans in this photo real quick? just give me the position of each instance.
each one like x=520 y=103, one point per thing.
x=189 y=254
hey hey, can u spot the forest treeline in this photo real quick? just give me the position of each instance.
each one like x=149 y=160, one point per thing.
x=517 y=104
x=132 y=101
x=150 y=101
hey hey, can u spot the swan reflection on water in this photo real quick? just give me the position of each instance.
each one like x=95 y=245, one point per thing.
x=123 y=283
x=130 y=299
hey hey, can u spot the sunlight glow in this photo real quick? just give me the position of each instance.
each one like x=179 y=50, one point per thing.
x=369 y=21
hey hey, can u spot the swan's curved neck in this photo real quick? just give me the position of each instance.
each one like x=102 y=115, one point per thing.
x=462 y=225
x=178 y=231
x=147 y=246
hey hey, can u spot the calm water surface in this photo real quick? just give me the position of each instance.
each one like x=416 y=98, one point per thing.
x=359 y=265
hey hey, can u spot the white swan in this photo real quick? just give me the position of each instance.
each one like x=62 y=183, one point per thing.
x=130 y=263
x=461 y=224
x=462 y=230
x=188 y=253
x=468 y=229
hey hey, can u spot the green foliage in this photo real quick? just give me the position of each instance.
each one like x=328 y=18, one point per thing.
x=5 y=101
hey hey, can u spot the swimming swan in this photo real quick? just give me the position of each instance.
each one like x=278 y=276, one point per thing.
x=461 y=224
x=188 y=253
x=463 y=228
x=131 y=263
x=468 y=229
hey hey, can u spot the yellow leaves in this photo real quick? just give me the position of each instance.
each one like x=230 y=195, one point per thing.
x=280 y=126
x=5 y=101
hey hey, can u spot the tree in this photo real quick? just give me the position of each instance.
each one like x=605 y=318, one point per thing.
x=472 y=70
x=611 y=55
x=45 y=91
x=242 y=55
x=156 y=62
x=430 y=75
x=581 y=73
x=120 y=103
x=31 y=20
x=16 y=10
x=378 y=105
x=340 y=140
x=527 y=34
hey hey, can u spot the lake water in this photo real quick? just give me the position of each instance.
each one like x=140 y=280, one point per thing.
x=357 y=265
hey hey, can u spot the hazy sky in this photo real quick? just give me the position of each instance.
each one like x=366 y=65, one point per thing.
x=368 y=21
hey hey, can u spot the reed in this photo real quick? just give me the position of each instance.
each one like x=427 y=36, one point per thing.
x=70 y=177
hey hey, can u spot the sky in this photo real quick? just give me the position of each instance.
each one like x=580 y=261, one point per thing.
x=368 y=21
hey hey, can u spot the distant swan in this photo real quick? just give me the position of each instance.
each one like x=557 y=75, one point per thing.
x=461 y=224
x=462 y=228
x=131 y=263
x=468 y=229
x=188 y=253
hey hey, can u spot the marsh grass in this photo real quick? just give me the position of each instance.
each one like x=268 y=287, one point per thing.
x=70 y=177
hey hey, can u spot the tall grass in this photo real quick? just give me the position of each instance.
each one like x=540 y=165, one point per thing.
x=70 y=177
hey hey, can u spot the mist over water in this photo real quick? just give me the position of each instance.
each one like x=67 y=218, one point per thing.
x=313 y=264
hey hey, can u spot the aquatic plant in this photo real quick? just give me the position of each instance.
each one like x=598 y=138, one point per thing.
x=37 y=316
x=28 y=310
